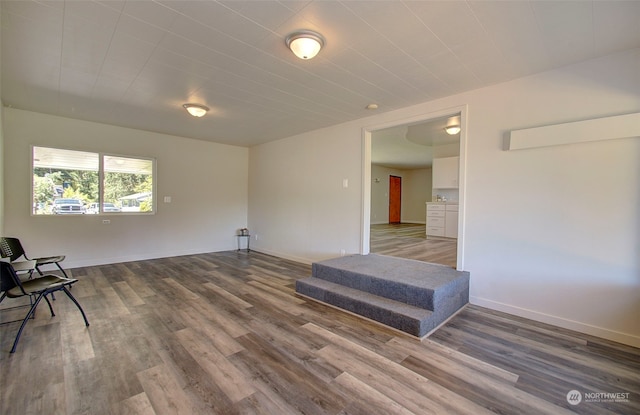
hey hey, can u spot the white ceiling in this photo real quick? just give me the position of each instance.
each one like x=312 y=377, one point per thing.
x=134 y=63
x=413 y=146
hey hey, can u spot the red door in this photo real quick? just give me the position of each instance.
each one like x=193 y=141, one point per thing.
x=395 y=195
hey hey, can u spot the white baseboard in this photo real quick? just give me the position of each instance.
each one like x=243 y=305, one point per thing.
x=92 y=262
x=284 y=256
x=616 y=336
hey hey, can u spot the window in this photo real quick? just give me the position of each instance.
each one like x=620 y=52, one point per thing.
x=79 y=182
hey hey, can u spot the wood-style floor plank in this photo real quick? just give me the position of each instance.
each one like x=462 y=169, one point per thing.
x=164 y=393
x=136 y=405
x=409 y=240
x=368 y=399
x=225 y=333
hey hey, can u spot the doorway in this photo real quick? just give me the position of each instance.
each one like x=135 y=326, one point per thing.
x=410 y=131
x=395 y=199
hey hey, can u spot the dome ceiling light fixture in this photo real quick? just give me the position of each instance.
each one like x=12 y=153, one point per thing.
x=196 y=110
x=305 y=44
x=452 y=129
x=453 y=126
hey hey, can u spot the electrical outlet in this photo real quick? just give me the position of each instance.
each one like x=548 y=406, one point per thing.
x=106 y=221
x=256 y=235
x=343 y=252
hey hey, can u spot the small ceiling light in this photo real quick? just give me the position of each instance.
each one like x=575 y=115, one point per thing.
x=196 y=110
x=453 y=125
x=452 y=129
x=305 y=44
x=372 y=107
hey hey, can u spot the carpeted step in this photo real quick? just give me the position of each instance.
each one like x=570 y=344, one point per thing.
x=421 y=284
x=407 y=318
x=412 y=296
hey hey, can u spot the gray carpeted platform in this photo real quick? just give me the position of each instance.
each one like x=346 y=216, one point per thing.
x=412 y=296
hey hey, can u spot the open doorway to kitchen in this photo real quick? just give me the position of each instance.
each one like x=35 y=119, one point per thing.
x=406 y=149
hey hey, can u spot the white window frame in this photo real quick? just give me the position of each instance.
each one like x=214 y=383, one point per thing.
x=101 y=184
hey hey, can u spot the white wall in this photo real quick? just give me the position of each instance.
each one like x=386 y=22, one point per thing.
x=416 y=192
x=207 y=183
x=539 y=241
x=380 y=193
x=298 y=207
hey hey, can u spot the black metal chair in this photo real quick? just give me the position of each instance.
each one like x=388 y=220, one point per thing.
x=12 y=248
x=12 y=287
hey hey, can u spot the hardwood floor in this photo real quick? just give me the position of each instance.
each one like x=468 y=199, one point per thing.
x=224 y=333
x=408 y=240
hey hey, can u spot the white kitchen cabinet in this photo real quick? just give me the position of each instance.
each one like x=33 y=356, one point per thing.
x=445 y=173
x=451 y=221
x=435 y=219
x=442 y=220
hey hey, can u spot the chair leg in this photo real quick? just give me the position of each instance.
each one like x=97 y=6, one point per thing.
x=49 y=304
x=24 y=322
x=32 y=298
x=86 y=322
x=63 y=272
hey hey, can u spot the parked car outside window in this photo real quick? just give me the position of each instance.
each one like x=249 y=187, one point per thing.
x=67 y=206
x=106 y=208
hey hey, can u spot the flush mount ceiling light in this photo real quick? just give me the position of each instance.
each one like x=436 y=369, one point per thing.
x=305 y=44
x=196 y=110
x=452 y=129
x=453 y=126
